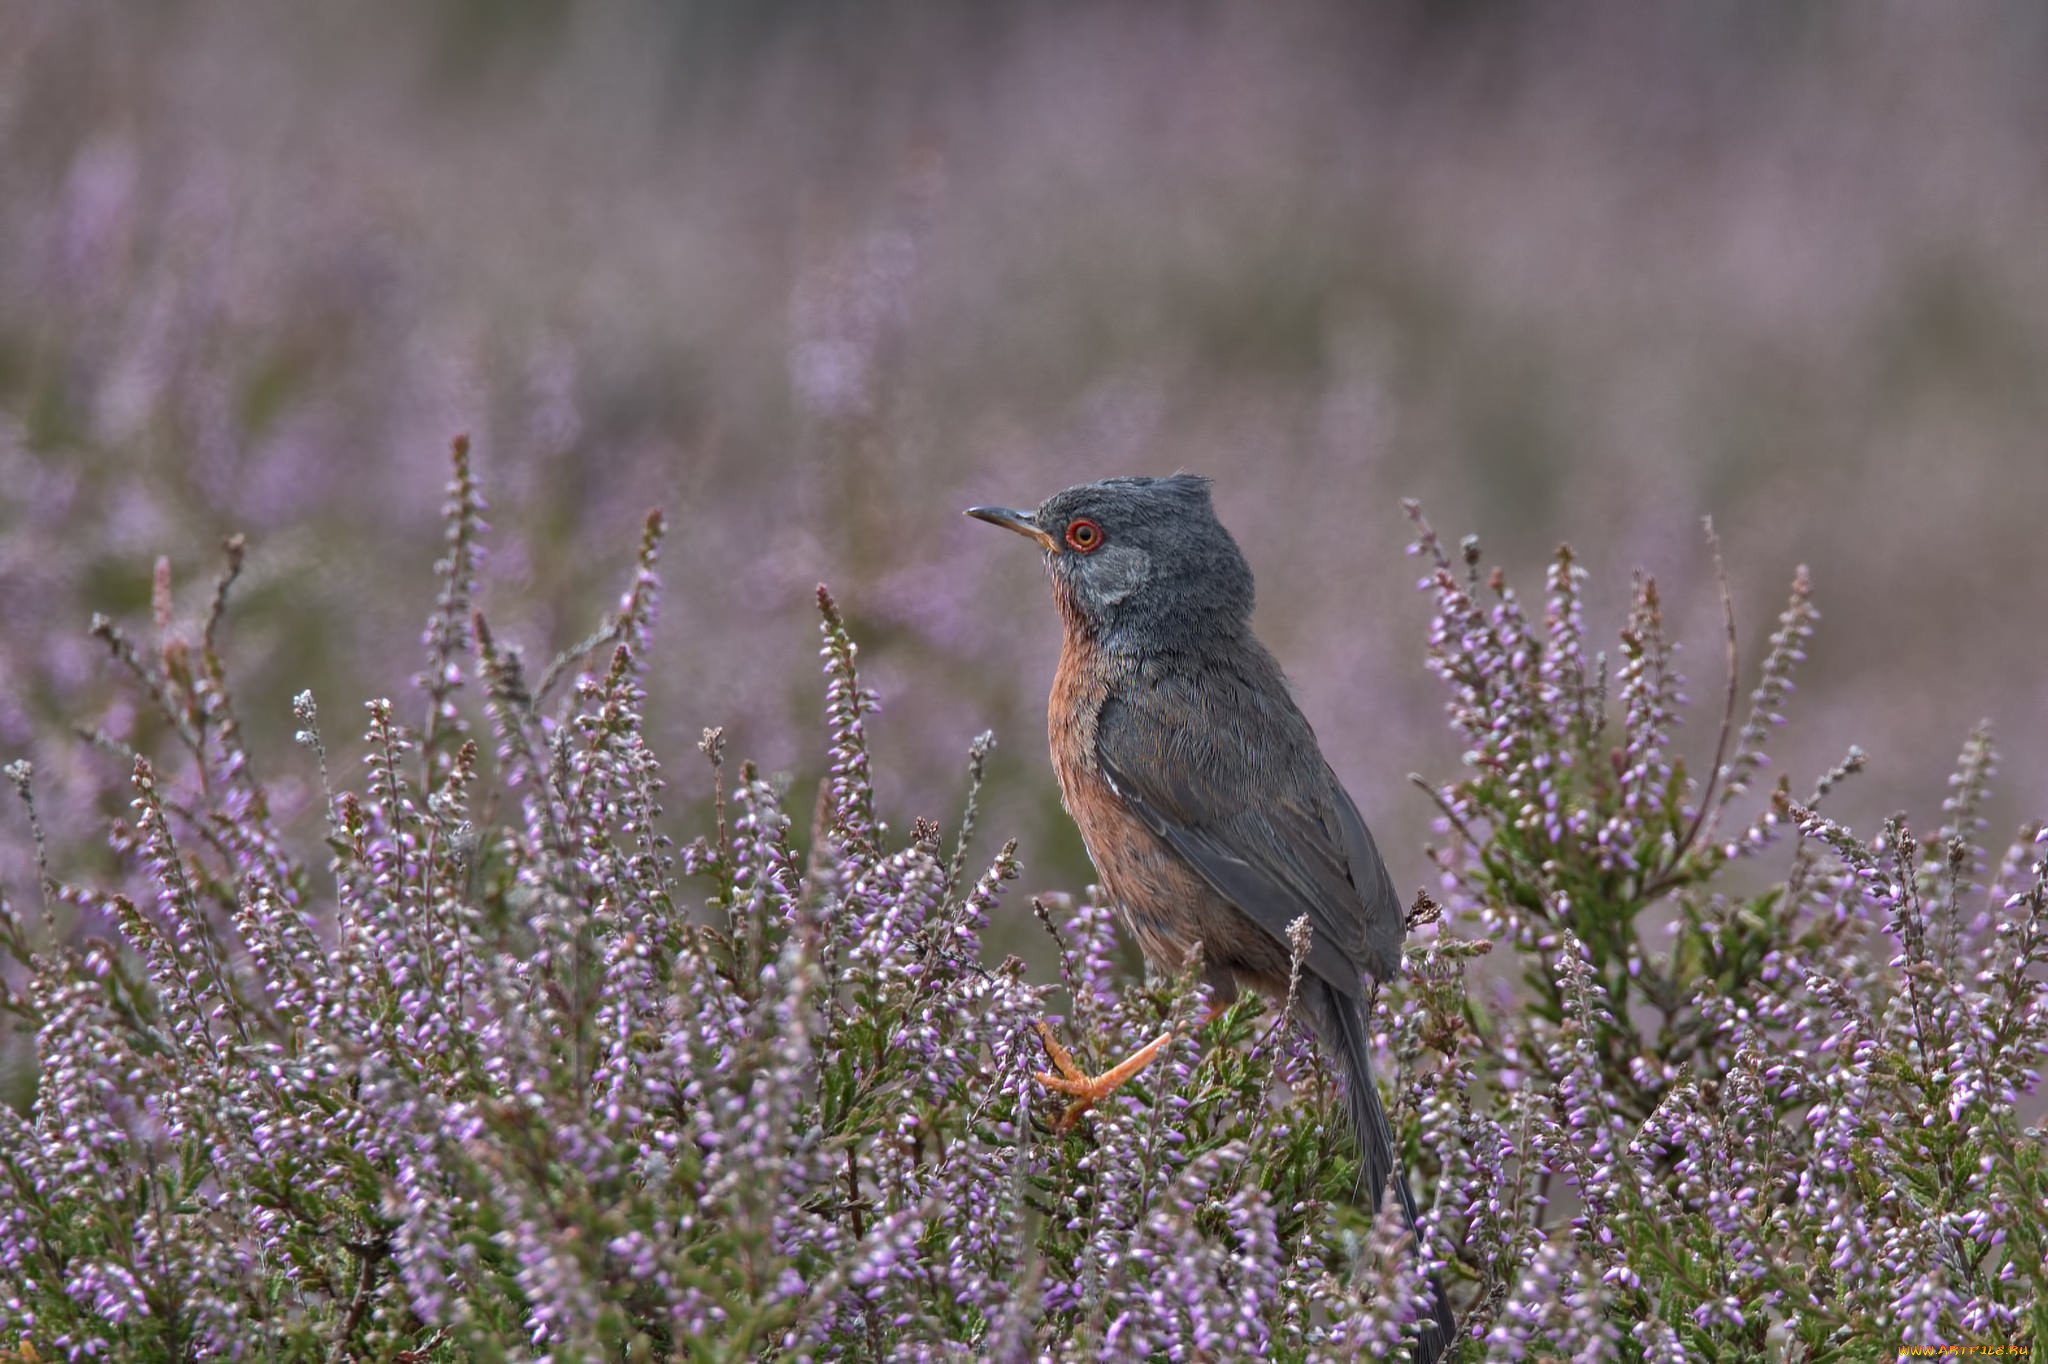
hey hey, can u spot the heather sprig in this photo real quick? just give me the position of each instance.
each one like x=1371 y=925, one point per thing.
x=447 y=637
x=1577 y=813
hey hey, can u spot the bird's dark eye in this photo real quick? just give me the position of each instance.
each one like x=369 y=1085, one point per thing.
x=1084 y=534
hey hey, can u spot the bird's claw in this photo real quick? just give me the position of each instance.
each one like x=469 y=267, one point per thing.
x=1086 y=1089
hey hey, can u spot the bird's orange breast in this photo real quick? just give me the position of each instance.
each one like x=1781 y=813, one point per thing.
x=1162 y=898
x=1078 y=690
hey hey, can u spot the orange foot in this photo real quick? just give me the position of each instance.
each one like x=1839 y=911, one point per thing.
x=1086 y=1089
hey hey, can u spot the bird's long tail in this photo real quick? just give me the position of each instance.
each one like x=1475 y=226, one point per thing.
x=1341 y=1022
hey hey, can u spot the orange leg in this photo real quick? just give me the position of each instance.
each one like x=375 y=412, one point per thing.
x=1086 y=1089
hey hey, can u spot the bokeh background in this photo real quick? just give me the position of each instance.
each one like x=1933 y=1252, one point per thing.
x=814 y=277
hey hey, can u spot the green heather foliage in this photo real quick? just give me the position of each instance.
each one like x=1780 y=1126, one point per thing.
x=505 y=1073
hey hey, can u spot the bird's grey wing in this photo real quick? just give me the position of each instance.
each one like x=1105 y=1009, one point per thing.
x=1384 y=922
x=1205 y=767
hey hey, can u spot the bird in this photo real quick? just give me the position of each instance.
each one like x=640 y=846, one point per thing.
x=1202 y=793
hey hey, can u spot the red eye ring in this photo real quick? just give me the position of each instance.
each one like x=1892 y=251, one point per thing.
x=1083 y=534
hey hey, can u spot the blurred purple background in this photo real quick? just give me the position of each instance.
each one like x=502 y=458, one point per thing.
x=815 y=277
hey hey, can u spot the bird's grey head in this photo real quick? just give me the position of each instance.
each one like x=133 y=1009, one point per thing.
x=1138 y=557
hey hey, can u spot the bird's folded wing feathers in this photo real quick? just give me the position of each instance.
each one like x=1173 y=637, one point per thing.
x=1385 y=922
x=1196 y=786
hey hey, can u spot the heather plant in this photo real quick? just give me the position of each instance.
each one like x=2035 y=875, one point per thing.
x=515 y=1071
x=1791 y=1128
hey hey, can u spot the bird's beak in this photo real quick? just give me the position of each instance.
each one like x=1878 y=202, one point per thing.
x=1021 y=522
